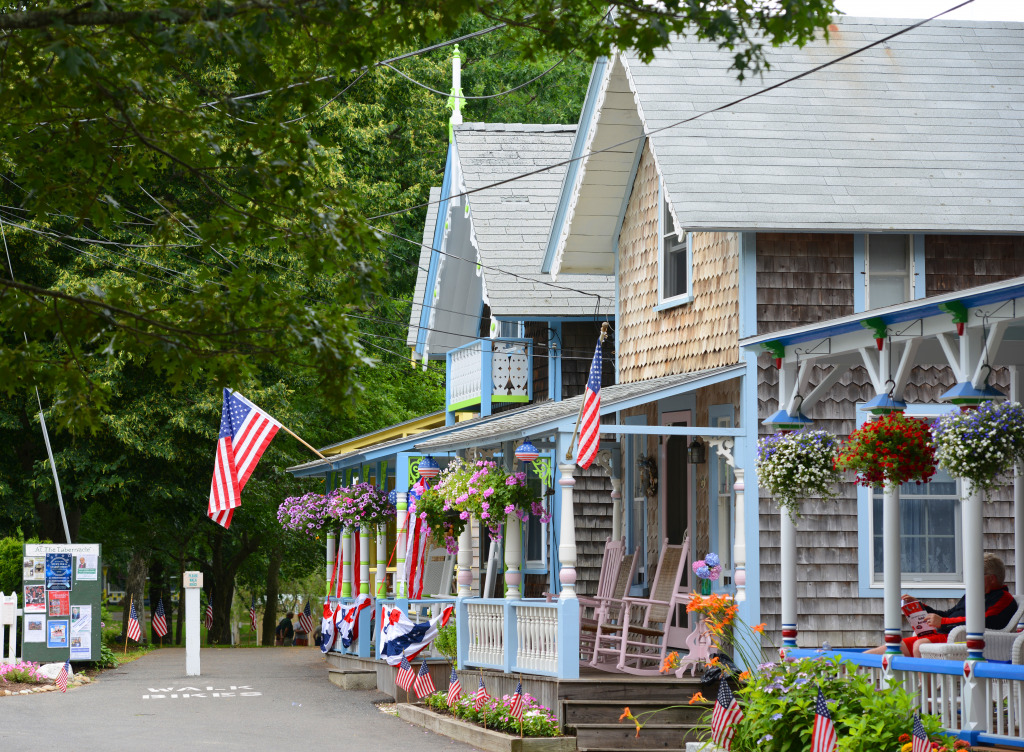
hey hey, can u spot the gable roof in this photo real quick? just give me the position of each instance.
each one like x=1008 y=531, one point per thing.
x=920 y=134
x=419 y=293
x=511 y=222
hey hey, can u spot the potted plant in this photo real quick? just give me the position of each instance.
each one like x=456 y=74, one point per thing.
x=798 y=465
x=707 y=570
x=304 y=514
x=980 y=444
x=890 y=450
x=362 y=505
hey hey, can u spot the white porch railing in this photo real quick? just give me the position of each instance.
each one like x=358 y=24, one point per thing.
x=537 y=630
x=983 y=705
x=486 y=639
x=490 y=370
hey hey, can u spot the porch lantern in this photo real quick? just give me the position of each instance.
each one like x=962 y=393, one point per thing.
x=696 y=452
x=965 y=395
x=884 y=404
x=429 y=468
x=527 y=452
x=781 y=420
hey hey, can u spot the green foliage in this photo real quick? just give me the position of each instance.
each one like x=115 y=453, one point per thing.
x=778 y=706
x=446 y=643
x=495 y=715
x=11 y=554
x=108 y=658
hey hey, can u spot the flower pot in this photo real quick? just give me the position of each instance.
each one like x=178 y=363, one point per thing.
x=705 y=587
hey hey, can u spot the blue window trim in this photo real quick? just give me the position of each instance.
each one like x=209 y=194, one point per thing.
x=866 y=589
x=860 y=278
x=545 y=532
x=715 y=412
x=687 y=297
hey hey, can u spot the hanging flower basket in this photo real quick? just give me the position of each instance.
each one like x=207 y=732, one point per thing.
x=800 y=465
x=891 y=450
x=304 y=514
x=362 y=505
x=980 y=445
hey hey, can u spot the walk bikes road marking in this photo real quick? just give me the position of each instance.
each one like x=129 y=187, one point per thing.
x=188 y=693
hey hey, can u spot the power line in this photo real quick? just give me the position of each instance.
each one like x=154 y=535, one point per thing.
x=481 y=96
x=684 y=121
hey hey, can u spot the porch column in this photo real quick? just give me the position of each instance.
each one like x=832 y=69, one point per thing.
x=567 y=532
x=381 y=590
x=974 y=574
x=364 y=559
x=331 y=553
x=1016 y=381
x=891 y=606
x=739 y=551
x=346 y=561
x=401 y=521
x=513 y=557
x=787 y=556
x=616 y=508
x=465 y=561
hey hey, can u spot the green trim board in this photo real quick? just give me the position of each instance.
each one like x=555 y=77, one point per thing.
x=62 y=590
x=494 y=398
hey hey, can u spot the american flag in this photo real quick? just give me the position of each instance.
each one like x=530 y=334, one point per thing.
x=406 y=675
x=824 y=737
x=209 y=616
x=725 y=716
x=306 y=619
x=62 y=677
x=245 y=433
x=134 y=630
x=516 y=708
x=423 y=685
x=921 y=743
x=160 y=619
x=252 y=613
x=454 y=688
x=481 y=695
x=590 y=421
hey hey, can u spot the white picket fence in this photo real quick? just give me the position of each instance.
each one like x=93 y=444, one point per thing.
x=9 y=614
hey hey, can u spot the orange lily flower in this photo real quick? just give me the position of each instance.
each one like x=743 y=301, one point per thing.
x=625 y=714
x=697 y=698
x=744 y=676
x=759 y=628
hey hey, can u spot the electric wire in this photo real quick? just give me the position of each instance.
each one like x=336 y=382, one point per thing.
x=660 y=129
x=514 y=89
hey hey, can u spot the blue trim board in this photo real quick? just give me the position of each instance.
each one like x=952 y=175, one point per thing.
x=860 y=277
x=745 y=452
x=435 y=257
x=714 y=412
x=918 y=280
x=748 y=284
x=571 y=175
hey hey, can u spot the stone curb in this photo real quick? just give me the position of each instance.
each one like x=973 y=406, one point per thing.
x=481 y=738
x=78 y=681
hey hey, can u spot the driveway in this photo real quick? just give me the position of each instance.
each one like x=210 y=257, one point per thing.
x=246 y=699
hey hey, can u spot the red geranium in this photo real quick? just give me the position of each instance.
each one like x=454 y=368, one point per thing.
x=892 y=449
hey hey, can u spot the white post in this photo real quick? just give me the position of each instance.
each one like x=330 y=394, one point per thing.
x=891 y=605
x=346 y=561
x=381 y=589
x=465 y=561
x=567 y=532
x=513 y=557
x=616 y=508
x=331 y=553
x=1018 y=496
x=401 y=521
x=974 y=709
x=739 y=550
x=364 y=559
x=193 y=583
x=787 y=534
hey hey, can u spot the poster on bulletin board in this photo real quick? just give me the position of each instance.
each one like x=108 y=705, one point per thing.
x=62 y=596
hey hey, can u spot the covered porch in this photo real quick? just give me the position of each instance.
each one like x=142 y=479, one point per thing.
x=978 y=335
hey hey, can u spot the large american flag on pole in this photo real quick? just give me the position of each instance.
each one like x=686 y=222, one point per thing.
x=590 y=417
x=208 y=619
x=134 y=630
x=160 y=619
x=245 y=433
x=252 y=613
x=725 y=716
x=306 y=619
x=823 y=739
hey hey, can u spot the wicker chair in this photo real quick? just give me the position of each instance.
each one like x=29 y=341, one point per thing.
x=999 y=643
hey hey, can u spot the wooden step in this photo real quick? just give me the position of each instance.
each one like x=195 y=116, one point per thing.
x=636 y=690
x=352 y=678
x=608 y=711
x=623 y=736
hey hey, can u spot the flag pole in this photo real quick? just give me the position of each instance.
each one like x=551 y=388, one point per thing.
x=481 y=681
x=579 y=416
x=520 y=708
x=286 y=429
x=131 y=602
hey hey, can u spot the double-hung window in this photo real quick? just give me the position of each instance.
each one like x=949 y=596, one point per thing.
x=534 y=531
x=888 y=269
x=675 y=259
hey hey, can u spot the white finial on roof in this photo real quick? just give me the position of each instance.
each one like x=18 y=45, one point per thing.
x=455 y=100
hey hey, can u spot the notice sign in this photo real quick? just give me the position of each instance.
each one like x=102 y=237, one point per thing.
x=81 y=633
x=35 y=629
x=33 y=568
x=57 y=634
x=58 y=571
x=58 y=603
x=35 y=599
x=85 y=566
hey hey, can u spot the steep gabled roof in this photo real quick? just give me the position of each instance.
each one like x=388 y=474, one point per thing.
x=511 y=222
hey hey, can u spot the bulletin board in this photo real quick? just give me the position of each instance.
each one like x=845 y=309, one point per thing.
x=62 y=589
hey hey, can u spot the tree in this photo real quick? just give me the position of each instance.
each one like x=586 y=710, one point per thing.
x=176 y=142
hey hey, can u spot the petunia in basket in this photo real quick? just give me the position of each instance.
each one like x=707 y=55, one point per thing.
x=799 y=465
x=890 y=450
x=981 y=444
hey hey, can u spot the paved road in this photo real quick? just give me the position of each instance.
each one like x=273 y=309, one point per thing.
x=267 y=699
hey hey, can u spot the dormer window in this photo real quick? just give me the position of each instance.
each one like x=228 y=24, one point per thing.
x=889 y=268
x=674 y=259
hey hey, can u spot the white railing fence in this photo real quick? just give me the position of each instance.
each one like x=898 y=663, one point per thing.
x=486 y=640
x=537 y=633
x=466 y=374
x=9 y=613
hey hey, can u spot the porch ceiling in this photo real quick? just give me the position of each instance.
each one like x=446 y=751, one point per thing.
x=551 y=417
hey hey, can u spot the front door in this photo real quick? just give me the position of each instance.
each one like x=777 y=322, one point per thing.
x=675 y=498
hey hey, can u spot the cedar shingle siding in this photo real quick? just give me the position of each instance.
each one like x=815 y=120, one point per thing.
x=955 y=262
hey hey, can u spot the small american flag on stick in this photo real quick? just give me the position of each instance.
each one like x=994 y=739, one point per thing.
x=921 y=743
x=590 y=412
x=252 y=613
x=134 y=630
x=516 y=708
x=160 y=619
x=481 y=695
x=454 y=689
x=208 y=622
x=725 y=716
x=62 y=677
x=423 y=685
x=406 y=675
x=823 y=739
x=306 y=619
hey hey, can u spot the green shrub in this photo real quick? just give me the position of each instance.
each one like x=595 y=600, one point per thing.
x=108 y=659
x=11 y=555
x=446 y=643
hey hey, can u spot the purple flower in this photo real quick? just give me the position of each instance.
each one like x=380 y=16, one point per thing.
x=463 y=515
x=488 y=493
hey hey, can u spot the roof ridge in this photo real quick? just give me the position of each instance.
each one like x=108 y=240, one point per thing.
x=516 y=127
